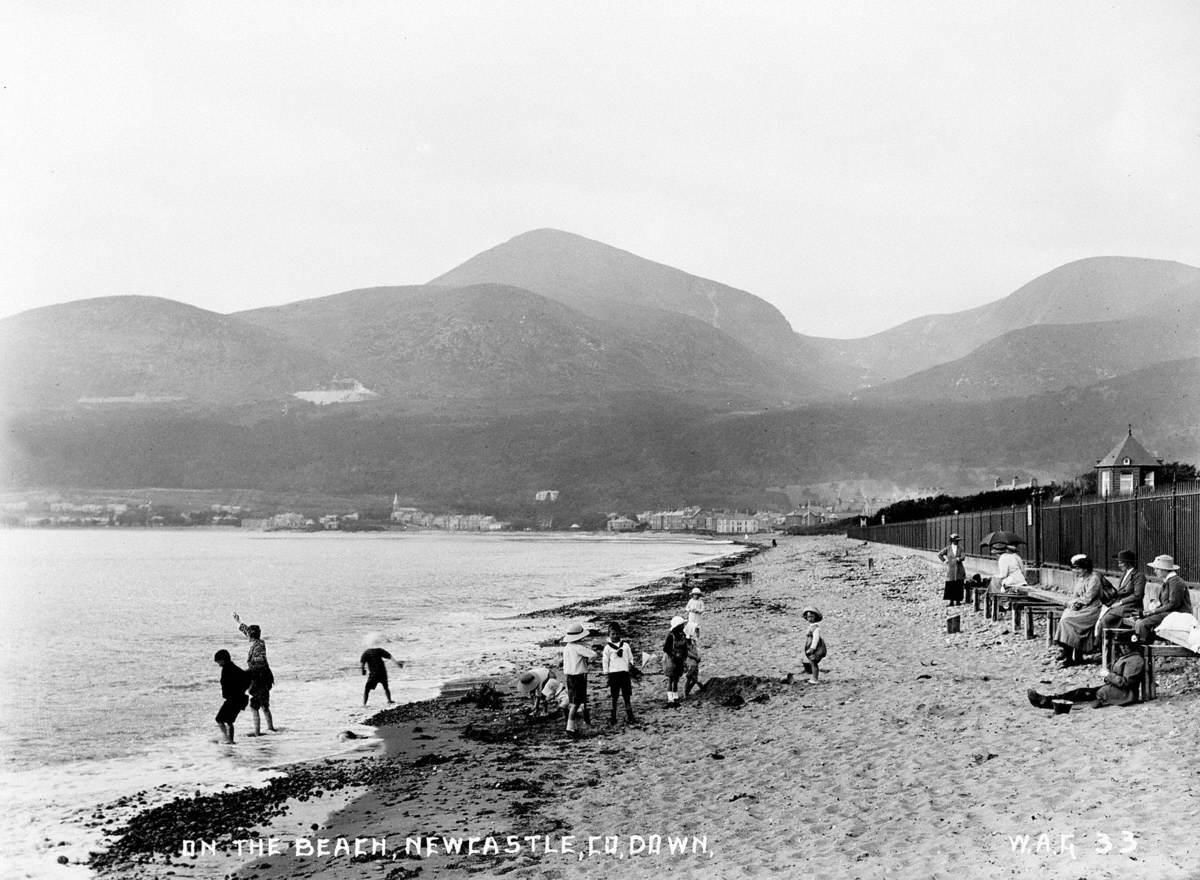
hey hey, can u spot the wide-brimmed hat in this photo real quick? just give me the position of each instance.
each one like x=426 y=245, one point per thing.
x=1164 y=563
x=811 y=610
x=696 y=591
x=532 y=679
x=575 y=632
x=1126 y=556
x=955 y=537
x=676 y=621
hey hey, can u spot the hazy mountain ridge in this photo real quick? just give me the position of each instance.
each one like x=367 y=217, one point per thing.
x=1089 y=290
x=1051 y=357
x=136 y=345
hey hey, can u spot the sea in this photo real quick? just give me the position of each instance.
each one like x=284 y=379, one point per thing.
x=107 y=680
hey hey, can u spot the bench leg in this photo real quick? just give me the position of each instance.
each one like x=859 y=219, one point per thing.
x=1051 y=626
x=1029 y=623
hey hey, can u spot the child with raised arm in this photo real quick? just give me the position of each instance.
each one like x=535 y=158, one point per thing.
x=372 y=659
x=261 y=678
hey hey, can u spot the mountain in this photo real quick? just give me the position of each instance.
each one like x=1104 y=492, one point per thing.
x=499 y=348
x=1050 y=357
x=140 y=348
x=1091 y=290
x=649 y=299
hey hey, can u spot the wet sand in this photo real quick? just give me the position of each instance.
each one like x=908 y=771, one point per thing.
x=917 y=756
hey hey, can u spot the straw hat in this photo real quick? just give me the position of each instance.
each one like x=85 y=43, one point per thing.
x=575 y=632
x=676 y=621
x=811 y=610
x=532 y=679
x=696 y=591
x=1164 y=563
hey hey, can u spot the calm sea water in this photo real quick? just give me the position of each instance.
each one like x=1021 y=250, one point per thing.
x=107 y=684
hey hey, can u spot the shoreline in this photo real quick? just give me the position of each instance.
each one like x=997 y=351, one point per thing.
x=917 y=756
x=149 y=846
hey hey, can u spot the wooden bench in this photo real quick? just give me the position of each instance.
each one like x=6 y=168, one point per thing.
x=1152 y=652
x=1034 y=601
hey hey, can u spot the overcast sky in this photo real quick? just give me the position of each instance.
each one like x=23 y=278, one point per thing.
x=855 y=164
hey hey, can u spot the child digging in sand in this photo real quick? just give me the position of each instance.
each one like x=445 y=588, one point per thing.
x=575 y=665
x=814 y=645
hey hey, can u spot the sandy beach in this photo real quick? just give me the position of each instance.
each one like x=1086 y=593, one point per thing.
x=917 y=756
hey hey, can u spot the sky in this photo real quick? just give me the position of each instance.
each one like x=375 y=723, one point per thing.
x=856 y=164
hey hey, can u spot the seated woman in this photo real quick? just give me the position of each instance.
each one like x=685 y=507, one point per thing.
x=1076 y=629
x=1010 y=570
x=1126 y=601
x=1172 y=596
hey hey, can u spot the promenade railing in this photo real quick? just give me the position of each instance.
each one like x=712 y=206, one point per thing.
x=1165 y=522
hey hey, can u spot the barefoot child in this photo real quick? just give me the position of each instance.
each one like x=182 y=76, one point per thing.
x=814 y=645
x=575 y=665
x=372 y=659
x=617 y=660
x=261 y=678
x=234 y=682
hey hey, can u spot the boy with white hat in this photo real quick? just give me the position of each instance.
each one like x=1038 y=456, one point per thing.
x=575 y=665
x=1172 y=596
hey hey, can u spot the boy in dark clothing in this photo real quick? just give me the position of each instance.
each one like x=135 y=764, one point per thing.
x=234 y=681
x=372 y=659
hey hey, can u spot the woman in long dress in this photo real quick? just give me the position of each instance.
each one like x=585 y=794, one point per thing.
x=952 y=554
x=1076 y=629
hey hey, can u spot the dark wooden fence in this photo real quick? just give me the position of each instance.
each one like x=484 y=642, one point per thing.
x=1164 y=522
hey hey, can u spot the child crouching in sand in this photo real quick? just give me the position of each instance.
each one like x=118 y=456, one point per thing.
x=814 y=645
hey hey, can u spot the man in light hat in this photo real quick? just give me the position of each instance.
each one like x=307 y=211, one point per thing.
x=576 y=658
x=695 y=607
x=1172 y=596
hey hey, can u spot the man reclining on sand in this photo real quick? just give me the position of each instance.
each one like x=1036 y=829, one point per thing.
x=1119 y=683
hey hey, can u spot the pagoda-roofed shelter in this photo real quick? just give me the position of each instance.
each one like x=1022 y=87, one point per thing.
x=1127 y=467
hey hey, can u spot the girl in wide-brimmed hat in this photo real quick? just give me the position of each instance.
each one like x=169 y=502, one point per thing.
x=695 y=607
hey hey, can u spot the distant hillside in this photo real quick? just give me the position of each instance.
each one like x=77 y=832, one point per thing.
x=503 y=349
x=145 y=348
x=1096 y=289
x=1050 y=357
x=634 y=293
x=658 y=452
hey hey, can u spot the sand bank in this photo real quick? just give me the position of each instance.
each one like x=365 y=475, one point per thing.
x=917 y=756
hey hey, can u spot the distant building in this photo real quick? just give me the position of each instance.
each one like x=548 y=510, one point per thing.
x=546 y=495
x=1127 y=467
x=622 y=524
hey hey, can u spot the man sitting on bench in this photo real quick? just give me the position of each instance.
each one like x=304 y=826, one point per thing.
x=1118 y=687
x=1173 y=596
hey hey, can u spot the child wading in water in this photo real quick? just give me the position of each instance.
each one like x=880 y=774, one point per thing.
x=814 y=645
x=261 y=678
x=618 y=661
x=575 y=665
x=234 y=682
